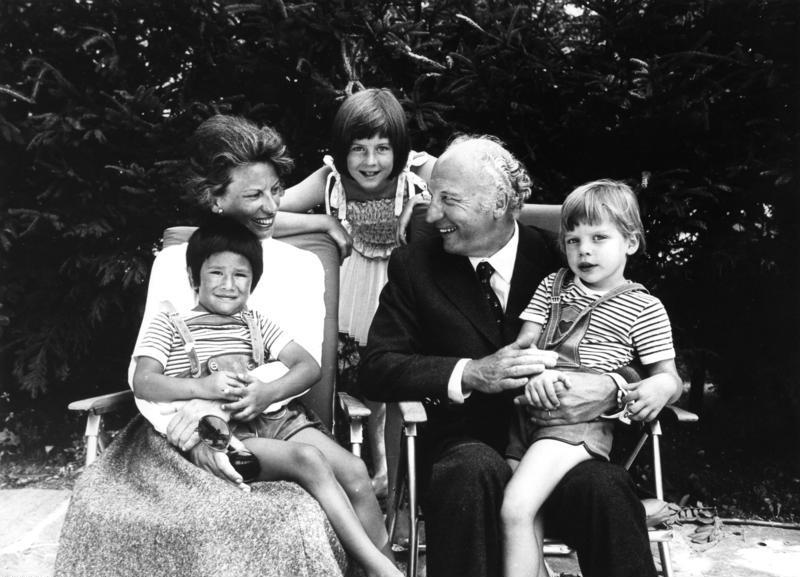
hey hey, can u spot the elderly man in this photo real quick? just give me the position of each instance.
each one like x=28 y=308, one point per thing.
x=439 y=336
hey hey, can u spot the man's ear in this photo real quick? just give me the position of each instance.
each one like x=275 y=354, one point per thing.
x=500 y=206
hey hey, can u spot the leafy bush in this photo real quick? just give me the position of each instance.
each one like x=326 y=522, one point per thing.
x=689 y=101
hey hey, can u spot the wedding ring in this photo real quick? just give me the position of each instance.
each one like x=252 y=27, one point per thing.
x=548 y=414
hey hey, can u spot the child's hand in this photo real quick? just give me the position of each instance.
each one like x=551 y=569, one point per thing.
x=543 y=389
x=405 y=216
x=223 y=385
x=256 y=397
x=645 y=399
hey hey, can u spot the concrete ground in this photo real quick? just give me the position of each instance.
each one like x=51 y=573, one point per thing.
x=31 y=519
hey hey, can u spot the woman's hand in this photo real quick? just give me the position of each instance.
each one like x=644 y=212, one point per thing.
x=340 y=236
x=405 y=216
x=182 y=429
x=216 y=463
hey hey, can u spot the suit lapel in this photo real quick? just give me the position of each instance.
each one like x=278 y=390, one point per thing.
x=530 y=267
x=456 y=278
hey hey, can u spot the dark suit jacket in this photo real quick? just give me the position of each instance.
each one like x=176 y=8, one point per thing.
x=431 y=314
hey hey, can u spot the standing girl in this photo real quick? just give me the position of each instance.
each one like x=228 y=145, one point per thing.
x=372 y=177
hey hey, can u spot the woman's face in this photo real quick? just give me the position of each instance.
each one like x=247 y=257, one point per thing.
x=370 y=162
x=252 y=197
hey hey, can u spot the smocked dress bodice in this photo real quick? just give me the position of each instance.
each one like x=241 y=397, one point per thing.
x=372 y=223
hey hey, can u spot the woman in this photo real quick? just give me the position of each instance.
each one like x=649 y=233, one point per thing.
x=143 y=508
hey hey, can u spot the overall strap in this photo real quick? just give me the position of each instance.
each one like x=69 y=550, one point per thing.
x=256 y=338
x=188 y=341
x=555 y=309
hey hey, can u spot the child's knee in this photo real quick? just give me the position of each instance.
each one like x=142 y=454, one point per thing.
x=516 y=509
x=355 y=477
x=309 y=461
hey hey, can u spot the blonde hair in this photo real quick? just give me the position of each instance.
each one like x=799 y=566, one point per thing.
x=600 y=200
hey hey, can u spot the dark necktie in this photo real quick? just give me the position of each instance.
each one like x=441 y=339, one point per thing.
x=485 y=272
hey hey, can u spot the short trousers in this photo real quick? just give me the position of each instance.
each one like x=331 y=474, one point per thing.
x=282 y=424
x=595 y=436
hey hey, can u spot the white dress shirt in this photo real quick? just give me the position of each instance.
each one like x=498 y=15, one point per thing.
x=503 y=263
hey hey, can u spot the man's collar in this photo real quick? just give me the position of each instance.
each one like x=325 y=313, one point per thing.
x=503 y=260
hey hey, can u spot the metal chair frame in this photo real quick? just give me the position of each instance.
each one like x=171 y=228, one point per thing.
x=403 y=471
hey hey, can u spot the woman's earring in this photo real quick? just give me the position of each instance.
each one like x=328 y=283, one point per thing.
x=218 y=209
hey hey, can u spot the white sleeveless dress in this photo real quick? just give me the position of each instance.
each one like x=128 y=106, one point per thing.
x=372 y=225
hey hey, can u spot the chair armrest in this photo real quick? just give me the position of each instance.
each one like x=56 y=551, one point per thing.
x=682 y=415
x=104 y=403
x=412 y=412
x=353 y=409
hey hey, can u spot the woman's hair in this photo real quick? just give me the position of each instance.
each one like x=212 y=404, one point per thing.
x=223 y=143
x=371 y=112
x=223 y=234
x=510 y=178
x=599 y=200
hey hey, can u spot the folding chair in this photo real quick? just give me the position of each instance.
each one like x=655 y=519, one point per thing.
x=411 y=416
x=321 y=396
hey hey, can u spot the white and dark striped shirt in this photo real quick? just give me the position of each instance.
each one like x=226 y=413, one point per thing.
x=631 y=325
x=163 y=342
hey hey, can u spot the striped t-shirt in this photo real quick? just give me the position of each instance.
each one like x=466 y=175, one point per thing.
x=630 y=325
x=163 y=342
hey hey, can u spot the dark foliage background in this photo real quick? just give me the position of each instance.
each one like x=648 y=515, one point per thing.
x=693 y=102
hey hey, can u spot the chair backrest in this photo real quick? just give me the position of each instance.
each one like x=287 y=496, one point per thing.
x=320 y=398
x=544 y=216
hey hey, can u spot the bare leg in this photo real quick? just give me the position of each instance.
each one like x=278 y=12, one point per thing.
x=376 y=426
x=543 y=466
x=305 y=465
x=352 y=474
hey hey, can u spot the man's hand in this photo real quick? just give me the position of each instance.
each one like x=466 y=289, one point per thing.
x=182 y=429
x=509 y=368
x=588 y=397
x=216 y=463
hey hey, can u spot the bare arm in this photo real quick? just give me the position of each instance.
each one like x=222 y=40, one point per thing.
x=151 y=384
x=529 y=334
x=302 y=197
x=303 y=372
x=307 y=193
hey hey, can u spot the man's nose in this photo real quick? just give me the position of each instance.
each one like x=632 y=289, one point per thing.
x=227 y=281
x=434 y=211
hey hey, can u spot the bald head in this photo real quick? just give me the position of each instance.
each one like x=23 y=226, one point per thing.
x=490 y=158
x=476 y=192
